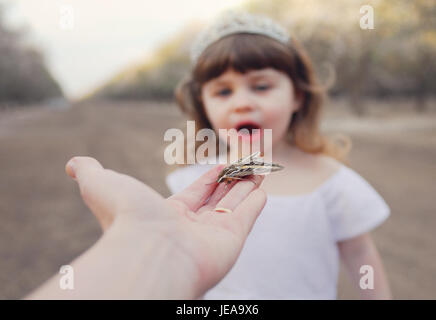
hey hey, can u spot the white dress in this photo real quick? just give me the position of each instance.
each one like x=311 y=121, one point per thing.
x=291 y=252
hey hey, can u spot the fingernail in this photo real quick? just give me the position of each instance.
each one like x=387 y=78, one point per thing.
x=71 y=169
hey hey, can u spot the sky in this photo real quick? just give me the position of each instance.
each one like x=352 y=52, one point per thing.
x=86 y=42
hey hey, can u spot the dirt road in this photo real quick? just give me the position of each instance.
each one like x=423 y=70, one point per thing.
x=44 y=224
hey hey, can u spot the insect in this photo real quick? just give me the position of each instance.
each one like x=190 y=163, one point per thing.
x=245 y=167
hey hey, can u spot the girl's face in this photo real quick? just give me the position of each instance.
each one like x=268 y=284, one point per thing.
x=259 y=99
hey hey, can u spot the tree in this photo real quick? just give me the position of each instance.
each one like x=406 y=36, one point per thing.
x=24 y=77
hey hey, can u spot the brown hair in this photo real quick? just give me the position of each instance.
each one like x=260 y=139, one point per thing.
x=244 y=52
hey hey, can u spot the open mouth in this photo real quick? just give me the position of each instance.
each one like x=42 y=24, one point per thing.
x=248 y=130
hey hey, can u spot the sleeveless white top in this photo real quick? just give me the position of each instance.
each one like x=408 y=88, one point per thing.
x=291 y=252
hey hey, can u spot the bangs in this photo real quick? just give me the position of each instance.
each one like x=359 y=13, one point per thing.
x=243 y=52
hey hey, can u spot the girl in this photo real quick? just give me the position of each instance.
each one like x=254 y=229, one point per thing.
x=249 y=73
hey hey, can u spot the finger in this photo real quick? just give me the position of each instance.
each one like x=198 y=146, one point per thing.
x=248 y=210
x=78 y=164
x=198 y=192
x=94 y=187
x=218 y=194
x=239 y=192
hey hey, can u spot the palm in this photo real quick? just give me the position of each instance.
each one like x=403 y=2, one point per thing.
x=212 y=240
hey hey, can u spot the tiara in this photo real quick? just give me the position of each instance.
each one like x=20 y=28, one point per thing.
x=232 y=22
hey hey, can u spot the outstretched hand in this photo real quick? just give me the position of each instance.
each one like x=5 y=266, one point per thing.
x=208 y=239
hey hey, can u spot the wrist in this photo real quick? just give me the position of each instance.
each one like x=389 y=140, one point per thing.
x=165 y=270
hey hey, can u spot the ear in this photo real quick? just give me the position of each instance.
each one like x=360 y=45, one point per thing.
x=298 y=99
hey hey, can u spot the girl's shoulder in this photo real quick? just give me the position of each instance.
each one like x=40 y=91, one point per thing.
x=352 y=204
x=324 y=176
x=342 y=179
x=328 y=165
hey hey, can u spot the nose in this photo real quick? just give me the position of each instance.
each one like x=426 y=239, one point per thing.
x=243 y=108
x=243 y=102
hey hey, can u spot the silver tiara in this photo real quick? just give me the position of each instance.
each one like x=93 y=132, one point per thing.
x=232 y=22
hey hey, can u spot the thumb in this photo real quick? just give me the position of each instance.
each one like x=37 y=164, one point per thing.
x=77 y=165
x=94 y=187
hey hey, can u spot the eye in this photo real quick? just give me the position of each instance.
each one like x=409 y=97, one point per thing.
x=224 y=92
x=261 y=87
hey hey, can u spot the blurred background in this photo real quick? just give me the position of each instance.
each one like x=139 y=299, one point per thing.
x=97 y=78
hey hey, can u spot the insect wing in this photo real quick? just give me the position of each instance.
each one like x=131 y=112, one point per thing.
x=254 y=155
x=262 y=168
x=243 y=171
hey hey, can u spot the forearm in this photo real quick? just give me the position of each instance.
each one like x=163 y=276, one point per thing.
x=126 y=264
x=357 y=253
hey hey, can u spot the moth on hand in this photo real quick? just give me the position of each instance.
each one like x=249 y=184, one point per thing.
x=245 y=167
